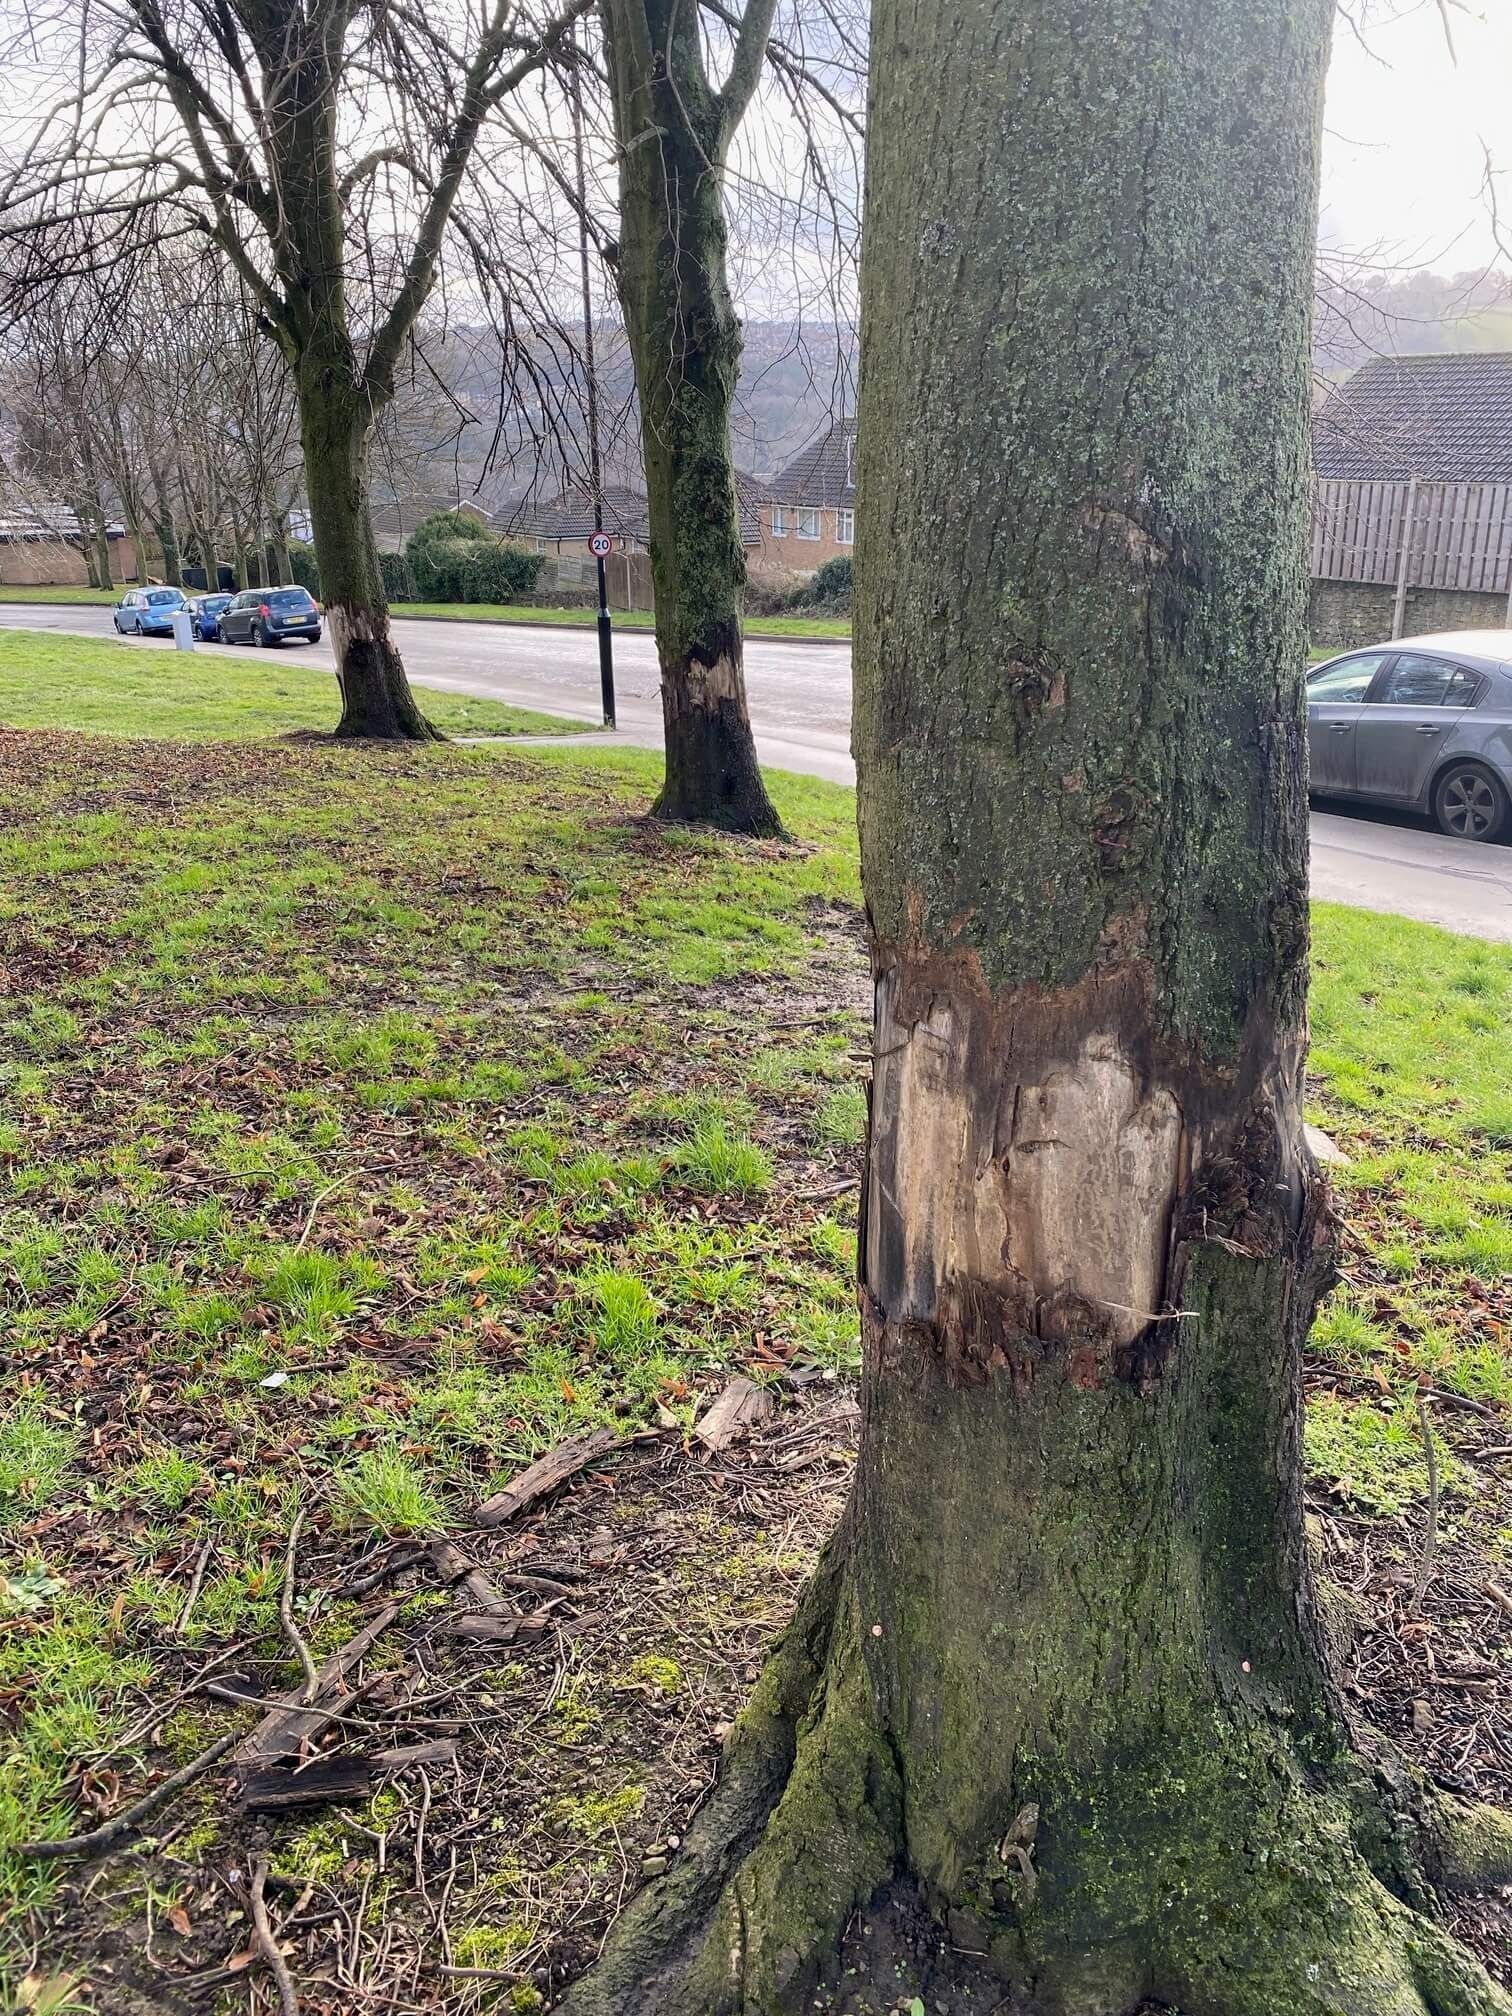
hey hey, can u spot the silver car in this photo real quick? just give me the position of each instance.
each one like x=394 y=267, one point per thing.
x=1424 y=724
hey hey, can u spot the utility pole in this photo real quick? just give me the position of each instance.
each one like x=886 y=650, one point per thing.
x=600 y=544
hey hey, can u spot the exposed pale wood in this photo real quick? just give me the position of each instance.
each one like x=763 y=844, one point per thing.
x=544 y=1475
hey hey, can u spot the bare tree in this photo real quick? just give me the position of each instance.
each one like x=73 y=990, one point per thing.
x=674 y=124
x=320 y=146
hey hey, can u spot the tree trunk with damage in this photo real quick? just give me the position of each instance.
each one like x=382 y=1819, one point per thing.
x=336 y=407
x=685 y=342
x=1061 y=1683
x=375 y=694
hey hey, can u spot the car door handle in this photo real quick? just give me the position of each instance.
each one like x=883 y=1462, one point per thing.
x=1425 y=729
x=1340 y=727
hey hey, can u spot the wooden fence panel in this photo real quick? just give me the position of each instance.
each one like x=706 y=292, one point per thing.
x=1461 y=534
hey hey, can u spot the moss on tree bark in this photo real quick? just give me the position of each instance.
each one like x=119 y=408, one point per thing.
x=674 y=130
x=1074 y=1694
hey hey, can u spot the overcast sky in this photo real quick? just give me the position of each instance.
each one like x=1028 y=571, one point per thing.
x=1406 y=126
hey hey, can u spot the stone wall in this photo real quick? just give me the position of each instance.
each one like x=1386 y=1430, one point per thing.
x=1344 y=614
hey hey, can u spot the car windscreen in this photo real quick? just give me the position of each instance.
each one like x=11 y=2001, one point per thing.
x=165 y=595
x=290 y=598
x=215 y=603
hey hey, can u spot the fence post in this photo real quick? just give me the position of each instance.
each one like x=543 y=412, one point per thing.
x=1409 y=513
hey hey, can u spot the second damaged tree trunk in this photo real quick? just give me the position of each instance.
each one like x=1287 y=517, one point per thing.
x=685 y=341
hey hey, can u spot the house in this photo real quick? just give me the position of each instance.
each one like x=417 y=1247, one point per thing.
x=565 y=524
x=1412 y=515
x=396 y=518
x=44 y=548
x=809 y=513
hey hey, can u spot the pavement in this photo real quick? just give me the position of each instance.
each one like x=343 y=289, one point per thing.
x=800 y=709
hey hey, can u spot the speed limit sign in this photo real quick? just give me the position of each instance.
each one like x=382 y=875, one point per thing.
x=601 y=545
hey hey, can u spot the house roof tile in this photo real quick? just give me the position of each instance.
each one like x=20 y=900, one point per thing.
x=824 y=474
x=1447 y=419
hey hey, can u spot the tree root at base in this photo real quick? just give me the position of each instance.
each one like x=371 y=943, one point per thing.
x=793 y=1887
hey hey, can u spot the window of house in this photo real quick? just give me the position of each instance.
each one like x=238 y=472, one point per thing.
x=808 y=524
x=850 y=461
x=845 y=528
x=779 y=521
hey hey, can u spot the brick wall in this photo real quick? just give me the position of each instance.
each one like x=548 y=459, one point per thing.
x=790 y=554
x=1343 y=614
x=41 y=563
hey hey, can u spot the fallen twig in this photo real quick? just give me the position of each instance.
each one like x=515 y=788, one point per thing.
x=544 y=1475
x=123 y=1823
x=196 y=1584
x=286 y=1615
x=1430 y=1535
x=267 y=1945
x=452 y=1565
x=1498 y=1596
x=741 y=1407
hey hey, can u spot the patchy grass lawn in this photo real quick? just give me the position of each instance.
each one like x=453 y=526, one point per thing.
x=834 y=629
x=370 y=1121
x=112 y=688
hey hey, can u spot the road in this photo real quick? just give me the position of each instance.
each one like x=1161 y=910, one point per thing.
x=800 y=705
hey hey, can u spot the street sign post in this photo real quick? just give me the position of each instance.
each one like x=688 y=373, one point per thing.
x=601 y=546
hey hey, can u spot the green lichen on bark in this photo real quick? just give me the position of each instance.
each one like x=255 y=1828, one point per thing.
x=1085 y=396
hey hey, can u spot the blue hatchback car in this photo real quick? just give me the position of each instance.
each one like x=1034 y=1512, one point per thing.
x=206 y=611
x=148 y=612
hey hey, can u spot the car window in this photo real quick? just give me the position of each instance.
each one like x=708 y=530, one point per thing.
x=161 y=595
x=1349 y=679
x=1417 y=680
x=290 y=598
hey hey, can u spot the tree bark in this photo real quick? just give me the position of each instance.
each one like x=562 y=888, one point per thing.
x=375 y=694
x=685 y=342
x=336 y=416
x=1063 y=1683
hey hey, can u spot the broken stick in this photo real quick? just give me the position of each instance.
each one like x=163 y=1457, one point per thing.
x=544 y=1475
x=284 y=1729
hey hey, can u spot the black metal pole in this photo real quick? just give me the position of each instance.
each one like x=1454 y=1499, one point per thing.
x=606 y=648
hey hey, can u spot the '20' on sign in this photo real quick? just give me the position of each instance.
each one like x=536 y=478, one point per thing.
x=601 y=545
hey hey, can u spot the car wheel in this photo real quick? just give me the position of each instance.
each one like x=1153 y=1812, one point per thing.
x=1469 y=802
x=264 y=642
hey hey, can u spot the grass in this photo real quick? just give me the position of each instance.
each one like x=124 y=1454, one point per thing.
x=1409 y=1032
x=487 y=612
x=370 y=1120
x=826 y=628
x=110 y=688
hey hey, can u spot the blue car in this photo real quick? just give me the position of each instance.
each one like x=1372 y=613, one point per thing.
x=206 y=611
x=148 y=612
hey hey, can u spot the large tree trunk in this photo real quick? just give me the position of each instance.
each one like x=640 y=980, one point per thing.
x=1061 y=1682
x=375 y=694
x=685 y=342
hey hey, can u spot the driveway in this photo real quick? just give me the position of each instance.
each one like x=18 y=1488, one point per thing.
x=800 y=705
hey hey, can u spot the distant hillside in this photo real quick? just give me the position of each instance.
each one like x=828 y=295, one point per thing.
x=496 y=446
x=1364 y=314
